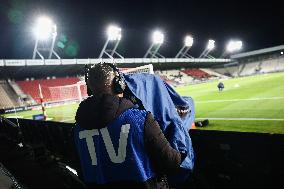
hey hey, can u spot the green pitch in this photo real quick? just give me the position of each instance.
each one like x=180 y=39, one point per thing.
x=249 y=104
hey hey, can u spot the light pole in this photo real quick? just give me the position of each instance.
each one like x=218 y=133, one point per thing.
x=113 y=35
x=183 y=52
x=210 y=46
x=157 y=41
x=44 y=30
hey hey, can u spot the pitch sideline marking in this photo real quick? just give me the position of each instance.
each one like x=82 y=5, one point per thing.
x=65 y=120
x=244 y=119
x=241 y=99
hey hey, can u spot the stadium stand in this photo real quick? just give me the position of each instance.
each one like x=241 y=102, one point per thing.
x=212 y=73
x=60 y=89
x=250 y=69
x=196 y=73
x=254 y=67
x=169 y=81
x=272 y=65
x=232 y=71
x=174 y=77
x=7 y=97
x=52 y=89
x=255 y=62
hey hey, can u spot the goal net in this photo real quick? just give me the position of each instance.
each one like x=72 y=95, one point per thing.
x=72 y=92
x=78 y=91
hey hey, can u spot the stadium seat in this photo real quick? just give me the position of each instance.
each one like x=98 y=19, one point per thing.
x=196 y=73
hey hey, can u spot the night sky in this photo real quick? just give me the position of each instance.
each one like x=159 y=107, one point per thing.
x=81 y=25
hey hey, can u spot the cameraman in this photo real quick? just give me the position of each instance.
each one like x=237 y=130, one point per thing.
x=119 y=145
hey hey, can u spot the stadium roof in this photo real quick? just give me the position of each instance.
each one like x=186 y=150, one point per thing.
x=257 y=52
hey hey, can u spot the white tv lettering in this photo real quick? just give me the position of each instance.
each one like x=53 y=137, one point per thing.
x=121 y=152
x=88 y=135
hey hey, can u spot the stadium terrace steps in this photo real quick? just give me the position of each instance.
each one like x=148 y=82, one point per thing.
x=265 y=66
x=52 y=89
x=17 y=89
x=6 y=96
x=273 y=65
x=256 y=67
x=213 y=73
x=240 y=69
x=230 y=71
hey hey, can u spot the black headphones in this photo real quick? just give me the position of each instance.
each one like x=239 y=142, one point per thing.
x=118 y=81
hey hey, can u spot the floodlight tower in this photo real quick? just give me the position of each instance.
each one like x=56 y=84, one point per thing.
x=232 y=46
x=188 y=42
x=157 y=41
x=209 y=48
x=113 y=35
x=45 y=30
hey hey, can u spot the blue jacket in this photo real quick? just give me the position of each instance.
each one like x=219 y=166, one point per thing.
x=116 y=152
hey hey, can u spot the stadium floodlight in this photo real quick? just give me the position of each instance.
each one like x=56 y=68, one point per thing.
x=188 y=42
x=233 y=46
x=158 y=37
x=113 y=35
x=157 y=41
x=210 y=44
x=45 y=30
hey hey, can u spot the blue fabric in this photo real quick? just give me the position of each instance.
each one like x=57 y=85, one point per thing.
x=135 y=167
x=161 y=99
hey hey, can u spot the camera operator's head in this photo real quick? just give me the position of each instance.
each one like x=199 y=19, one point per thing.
x=104 y=78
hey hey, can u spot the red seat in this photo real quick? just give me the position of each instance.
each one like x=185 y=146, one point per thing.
x=196 y=73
